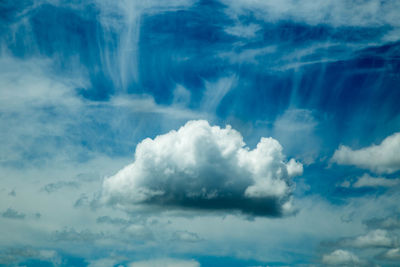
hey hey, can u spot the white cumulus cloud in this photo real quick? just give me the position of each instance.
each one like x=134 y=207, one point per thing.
x=375 y=238
x=206 y=167
x=341 y=257
x=382 y=158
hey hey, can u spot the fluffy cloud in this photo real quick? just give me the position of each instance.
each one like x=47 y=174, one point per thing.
x=368 y=181
x=392 y=254
x=376 y=238
x=382 y=158
x=340 y=257
x=206 y=167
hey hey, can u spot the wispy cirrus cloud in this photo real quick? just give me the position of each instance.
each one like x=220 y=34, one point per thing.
x=335 y=13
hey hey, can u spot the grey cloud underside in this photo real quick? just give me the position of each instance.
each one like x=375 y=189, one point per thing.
x=259 y=207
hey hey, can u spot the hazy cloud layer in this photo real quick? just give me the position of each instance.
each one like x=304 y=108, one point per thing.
x=382 y=158
x=390 y=223
x=206 y=167
x=11 y=256
x=168 y=262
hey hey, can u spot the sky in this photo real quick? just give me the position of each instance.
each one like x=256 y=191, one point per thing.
x=199 y=133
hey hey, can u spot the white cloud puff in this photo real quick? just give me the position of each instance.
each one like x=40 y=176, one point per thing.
x=340 y=257
x=368 y=181
x=375 y=238
x=382 y=158
x=206 y=167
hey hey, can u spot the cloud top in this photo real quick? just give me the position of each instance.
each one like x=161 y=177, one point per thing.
x=206 y=167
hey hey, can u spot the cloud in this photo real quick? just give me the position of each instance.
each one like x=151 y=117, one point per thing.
x=13 y=214
x=71 y=235
x=124 y=19
x=110 y=220
x=341 y=257
x=375 y=238
x=168 y=262
x=52 y=187
x=11 y=256
x=185 y=236
x=368 y=181
x=332 y=12
x=139 y=232
x=244 y=31
x=216 y=91
x=294 y=125
x=382 y=158
x=205 y=167
x=47 y=121
x=392 y=254
x=102 y=263
x=390 y=223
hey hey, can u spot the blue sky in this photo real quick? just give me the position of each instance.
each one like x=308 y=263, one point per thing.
x=199 y=133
